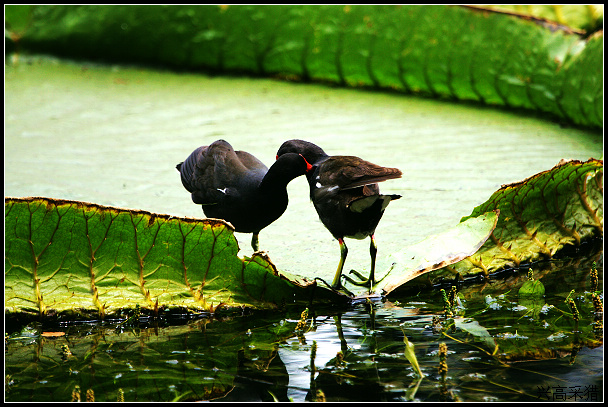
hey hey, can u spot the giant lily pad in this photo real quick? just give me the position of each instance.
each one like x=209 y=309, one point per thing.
x=538 y=216
x=74 y=257
x=439 y=251
x=443 y=51
x=585 y=17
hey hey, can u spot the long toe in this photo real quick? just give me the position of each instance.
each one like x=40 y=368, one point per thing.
x=356 y=273
x=362 y=282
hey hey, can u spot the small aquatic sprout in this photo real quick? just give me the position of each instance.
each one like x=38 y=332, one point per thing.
x=313 y=355
x=444 y=393
x=598 y=327
x=575 y=313
x=66 y=352
x=575 y=350
x=531 y=288
x=452 y=297
x=90 y=396
x=598 y=307
x=320 y=396
x=593 y=277
x=274 y=398
x=120 y=398
x=437 y=326
x=302 y=322
x=569 y=296
x=76 y=394
x=133 y=319
x=411 y=355
x=340 y=359
x=443 y=364
x=454 y=300
x=598 y=313
x=447 y=308
x=8 y=382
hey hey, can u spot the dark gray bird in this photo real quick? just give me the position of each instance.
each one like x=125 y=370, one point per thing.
x=344 y=191
x=239 y=188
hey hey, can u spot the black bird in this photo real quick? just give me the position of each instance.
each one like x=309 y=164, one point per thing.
x=345 y=193
x=239 y=188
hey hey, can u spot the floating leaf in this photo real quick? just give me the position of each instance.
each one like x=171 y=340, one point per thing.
x=538 y=216
x=438 y=251
x=532 y=288
x=588 y=16
x=65 y=256
x=444 y=51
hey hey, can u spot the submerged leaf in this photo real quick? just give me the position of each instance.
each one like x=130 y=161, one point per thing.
x=472 y=327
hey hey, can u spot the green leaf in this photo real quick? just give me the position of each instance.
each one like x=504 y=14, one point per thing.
x=411 y=355
x=532 y=288
x=443 y=51
x=538 y=217
x=17 y=18
x=74 y=257
x=586 y=17
x=472 y=327
x=437 y=251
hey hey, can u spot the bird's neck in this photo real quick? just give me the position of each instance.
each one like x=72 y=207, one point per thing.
x=275 y=181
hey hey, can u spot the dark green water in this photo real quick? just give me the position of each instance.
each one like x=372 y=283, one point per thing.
x=500 y=347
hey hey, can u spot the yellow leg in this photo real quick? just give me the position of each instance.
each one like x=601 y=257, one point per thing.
x=343 y=252
x=373 y=249
x=370 y=281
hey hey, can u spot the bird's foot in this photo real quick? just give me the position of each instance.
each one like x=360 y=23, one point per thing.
x=339 y=287
x=362 y=282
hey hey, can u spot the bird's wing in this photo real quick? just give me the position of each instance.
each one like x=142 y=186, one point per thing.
x=215 y=171
x=351 y=172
